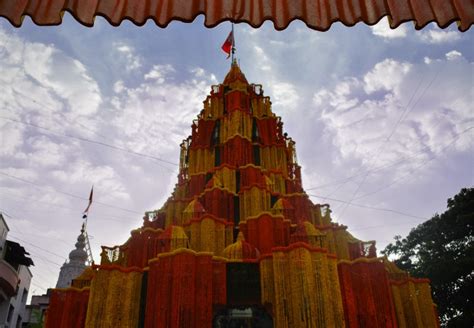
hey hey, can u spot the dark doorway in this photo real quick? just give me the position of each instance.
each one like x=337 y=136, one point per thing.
x=250 y=317
x=243 y=284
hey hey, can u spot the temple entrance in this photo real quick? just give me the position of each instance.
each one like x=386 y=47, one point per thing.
x=250 y=317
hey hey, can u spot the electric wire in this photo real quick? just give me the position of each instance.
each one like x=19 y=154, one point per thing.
x=416 y=168
x=61 y=114
x=70 y=210
x=125 y=150
x=67 y=193
x=404 y=114
x=369 y=207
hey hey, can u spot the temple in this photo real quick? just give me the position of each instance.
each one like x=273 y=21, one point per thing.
x=76 y=264
x=240 y=244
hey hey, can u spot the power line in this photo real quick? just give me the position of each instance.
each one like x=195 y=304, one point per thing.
x=61 y=114
x=385 y=166
x=34 y=255
x=369 y=207
x=94 y=142
x=407 y=110
x=26 y=242
x=69 y=209
x=418 y=167
x=38 y=286
x=381 y=226
x=380 y=146
x=66 y=193
x=35 y=246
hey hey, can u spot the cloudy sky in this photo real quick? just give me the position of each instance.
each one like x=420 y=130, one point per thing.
x=383 y=122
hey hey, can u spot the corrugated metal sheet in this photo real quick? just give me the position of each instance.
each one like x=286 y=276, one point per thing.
x=317 y=14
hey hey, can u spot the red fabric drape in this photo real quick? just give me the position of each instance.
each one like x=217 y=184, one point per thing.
x=182 y=289
x=266 y=232
x=302 y=207
x=201 y=133
x=143 y=246
x=366 y=295
x=196 y=184
x=250 y=176
x=219 y=203
x=237 y=152
x=237 y=100
x=67 y=308
x=269 y=132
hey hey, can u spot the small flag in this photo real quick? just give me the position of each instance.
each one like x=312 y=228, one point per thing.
x=228 y=44
x=86 y=211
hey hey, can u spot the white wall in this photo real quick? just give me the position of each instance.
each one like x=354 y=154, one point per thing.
x=18 y=302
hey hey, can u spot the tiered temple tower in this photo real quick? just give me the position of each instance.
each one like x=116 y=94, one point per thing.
x=239 y=243
x=76 y=264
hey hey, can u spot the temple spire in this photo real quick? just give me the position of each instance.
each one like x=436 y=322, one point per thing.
x=76 y=264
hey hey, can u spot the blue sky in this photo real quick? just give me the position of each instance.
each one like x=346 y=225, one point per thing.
x=381 y=118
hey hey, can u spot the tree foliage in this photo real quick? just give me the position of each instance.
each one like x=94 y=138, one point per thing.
x=442 y=249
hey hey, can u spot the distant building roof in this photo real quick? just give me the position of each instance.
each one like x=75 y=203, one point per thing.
x=316 y=14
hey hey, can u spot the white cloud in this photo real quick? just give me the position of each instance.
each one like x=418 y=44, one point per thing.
x=382 y=29
x=264 y=60
x=22 y=173
x=386 y=75
x=132 y=61
x=285 y=96
x=159 y=73
x=119 y=86
x=11 y=137
x=436 y=36
x=46 y=152
x=431 y=94
x=43 y=78
x=103 y=177
x=159 y=110
x=201 y=73
x=452 y=55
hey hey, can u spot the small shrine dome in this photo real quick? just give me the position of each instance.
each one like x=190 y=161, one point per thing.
x=241 y=250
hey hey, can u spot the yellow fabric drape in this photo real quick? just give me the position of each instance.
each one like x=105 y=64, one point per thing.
x=413 y=304
x=201 y=160
x=335 y=292
x=316 y=216
x=180 y=191
x=302 y=287
x=174 y=212
x=178 y=239
x=276 y=183
x=253 y=202
x=114 y=299
x=208 y=235
x=274 y=158
x=261 y=107
x=227 y=178
x=213 y=107
x=237 y=123
x=341 y=240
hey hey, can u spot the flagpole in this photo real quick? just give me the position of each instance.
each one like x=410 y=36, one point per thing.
x=233 y=45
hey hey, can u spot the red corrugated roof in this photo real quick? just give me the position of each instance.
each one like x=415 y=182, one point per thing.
x=317 y=14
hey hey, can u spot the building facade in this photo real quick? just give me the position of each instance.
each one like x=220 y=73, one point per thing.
x=240 y=244
x=71 y=269
x=15 y=279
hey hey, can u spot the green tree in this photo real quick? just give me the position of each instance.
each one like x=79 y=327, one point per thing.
x=442 y=249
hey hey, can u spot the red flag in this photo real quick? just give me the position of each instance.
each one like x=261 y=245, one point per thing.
x=86 y=211
x=228 y=44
